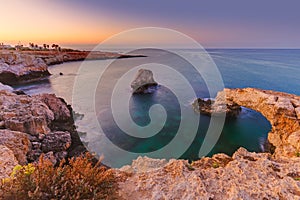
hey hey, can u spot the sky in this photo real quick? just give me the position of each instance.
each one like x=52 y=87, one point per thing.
x=213 y=23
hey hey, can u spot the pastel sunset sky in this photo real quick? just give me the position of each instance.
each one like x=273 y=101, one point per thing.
x=213 y=23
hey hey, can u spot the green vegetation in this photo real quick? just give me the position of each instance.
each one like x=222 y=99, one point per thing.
x=215 y=165
x=79 y=179
x=189 y=166
x=298 y=154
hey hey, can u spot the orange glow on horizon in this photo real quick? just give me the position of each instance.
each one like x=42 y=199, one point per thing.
x=29 y=21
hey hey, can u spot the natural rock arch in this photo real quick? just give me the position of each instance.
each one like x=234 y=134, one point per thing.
x=282 y=110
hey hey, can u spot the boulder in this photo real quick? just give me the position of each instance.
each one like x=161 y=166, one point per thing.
x=58 y=141
x=143 y=82
x=57 y=105
x=17 y=67
x=7 y=162
x=46 y=119
x=25 y=114
x=17 y=142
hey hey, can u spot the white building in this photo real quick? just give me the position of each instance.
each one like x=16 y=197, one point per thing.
x=5 y=46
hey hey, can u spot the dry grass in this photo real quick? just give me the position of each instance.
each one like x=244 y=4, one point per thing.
x=79 y=179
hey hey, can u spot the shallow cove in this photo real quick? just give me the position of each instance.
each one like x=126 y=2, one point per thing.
x=240 y=68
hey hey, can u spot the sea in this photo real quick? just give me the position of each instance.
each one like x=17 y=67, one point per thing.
x=110 y=119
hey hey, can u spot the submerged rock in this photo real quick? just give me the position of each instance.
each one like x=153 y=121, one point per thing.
x=143 y=82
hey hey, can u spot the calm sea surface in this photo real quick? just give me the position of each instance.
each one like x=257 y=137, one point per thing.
x=266 y=69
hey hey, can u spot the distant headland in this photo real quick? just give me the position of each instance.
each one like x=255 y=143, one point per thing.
x=21 y=63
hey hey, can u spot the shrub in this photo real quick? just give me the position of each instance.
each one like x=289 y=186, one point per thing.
x=215 y=165
x=79 y=179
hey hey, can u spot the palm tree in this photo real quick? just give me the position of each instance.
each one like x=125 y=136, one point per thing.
x=31 y=45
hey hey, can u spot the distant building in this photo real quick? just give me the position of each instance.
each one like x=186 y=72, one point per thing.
x=19 y=47
x=5 y=46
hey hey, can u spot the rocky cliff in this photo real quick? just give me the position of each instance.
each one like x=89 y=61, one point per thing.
x=32 y=125
x=26 y=66
x=245 y=175
x=18 y=67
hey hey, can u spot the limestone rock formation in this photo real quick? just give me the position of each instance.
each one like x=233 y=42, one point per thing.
x=245 y=175
x=26 y=66
x=45 y=120
x=58 y=141
x=7 y=161
x=143 y=82
x=17 y=67
x=209 y=107
x=280 y=109
x=25 y=114
x=17 y=142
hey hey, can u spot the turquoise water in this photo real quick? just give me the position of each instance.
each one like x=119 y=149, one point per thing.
x=266 y=69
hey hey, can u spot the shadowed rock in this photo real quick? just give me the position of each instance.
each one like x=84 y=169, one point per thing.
x=209 y=107
x=143 y=82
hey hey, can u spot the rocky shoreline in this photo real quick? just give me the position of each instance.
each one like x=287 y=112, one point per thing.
x=245 y=175
x=43 y=124
x=17 y=67
x=35 y=125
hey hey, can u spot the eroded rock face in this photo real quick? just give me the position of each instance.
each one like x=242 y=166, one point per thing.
x=7 y=161
x=245 y=175
x=25 y=114
x=58 y=141
x=17 y=67
x=45 y=120
x=17 y=142
x=143 y=82
x=280 y=109
x=209 y=107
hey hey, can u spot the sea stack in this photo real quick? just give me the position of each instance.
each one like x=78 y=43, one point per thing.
x=143 y=82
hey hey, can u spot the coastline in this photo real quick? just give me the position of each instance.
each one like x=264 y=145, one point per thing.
x=50 y=130
x=17 y=67
x=43 y=124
